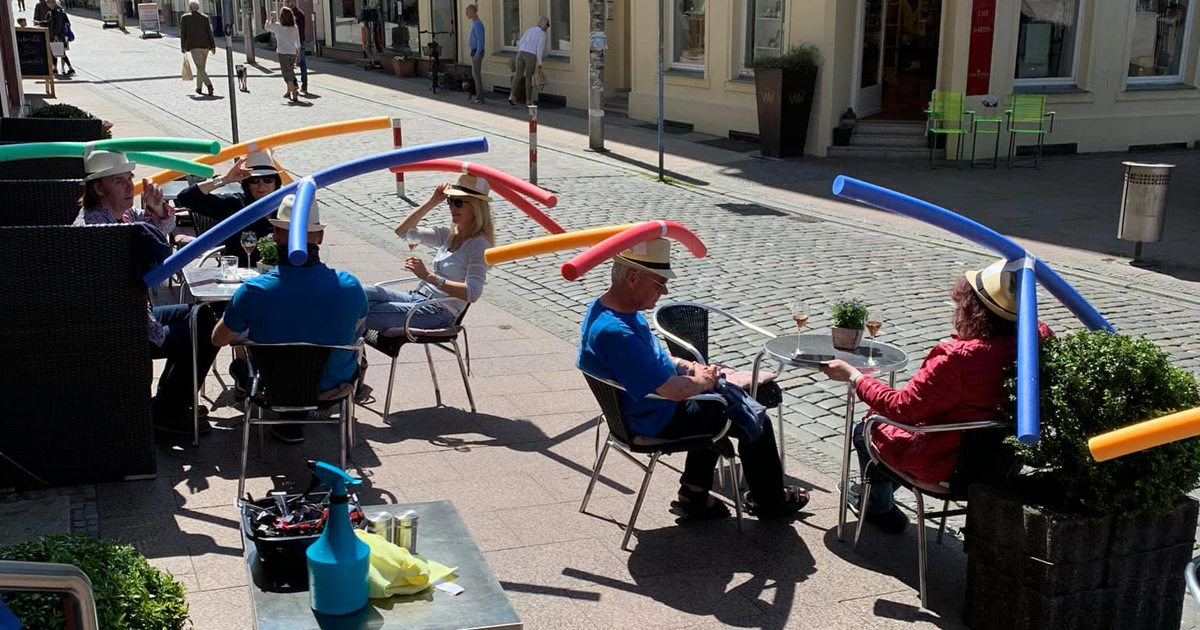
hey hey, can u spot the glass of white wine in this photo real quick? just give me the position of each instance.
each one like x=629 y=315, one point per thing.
x=799 y=311
x=874 y=323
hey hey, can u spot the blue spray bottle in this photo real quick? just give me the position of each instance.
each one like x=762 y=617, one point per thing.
x=338 y=562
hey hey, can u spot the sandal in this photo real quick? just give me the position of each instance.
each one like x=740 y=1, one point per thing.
x=697 y=508
x=797 y=498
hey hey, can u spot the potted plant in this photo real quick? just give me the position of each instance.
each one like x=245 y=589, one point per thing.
x=268 y=254
x=848 y=317
x=130 y=594
x=63 y=110
x=783 y=89
x=404 y=64
x=1076 y=543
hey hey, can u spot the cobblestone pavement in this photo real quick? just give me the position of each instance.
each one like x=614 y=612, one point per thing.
x=759 y=257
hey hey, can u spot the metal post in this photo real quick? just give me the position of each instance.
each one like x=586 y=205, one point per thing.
x=232 y=88
x=597 y=44
x=660 y=92
x=398 y=142
x=533 y=144
x=251 y=28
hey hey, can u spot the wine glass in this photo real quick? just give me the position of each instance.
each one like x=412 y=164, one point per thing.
x=800 y=315
x=413 y=237
x=874 y=323
x=249 y=242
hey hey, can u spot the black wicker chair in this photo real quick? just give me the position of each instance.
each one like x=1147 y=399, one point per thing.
x=983 y=457
x=284 y=379
x=39 y=201
x=74 y=318
x=391 y=341
x=51 y=129
x=685 y=327
x=620 y=436
x=43 y=168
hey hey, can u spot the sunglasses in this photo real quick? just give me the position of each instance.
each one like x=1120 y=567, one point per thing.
x=662 y=286
x=457 y=203
x=260 y=179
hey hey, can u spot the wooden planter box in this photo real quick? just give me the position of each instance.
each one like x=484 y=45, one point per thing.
x=404 y=68
x=1029 y=567
x=784 y=106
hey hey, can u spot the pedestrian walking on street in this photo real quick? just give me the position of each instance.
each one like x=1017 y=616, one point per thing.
x=301 y=52
x=287 y=42
x=59 y=26
x=21 y=4
x=529 y=59
x=476 y=45
x=196 y=37
x=41 y=12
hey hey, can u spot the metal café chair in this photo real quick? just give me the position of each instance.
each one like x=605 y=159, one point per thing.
x=982 y=457
x=626 y=443
x=285 y=378
x=685 y=326
x=390 y=341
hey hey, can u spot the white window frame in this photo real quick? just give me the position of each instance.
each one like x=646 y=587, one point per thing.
x=504 y=45
x=670 y=40
x=1071 y=80
x=747 y=37
x=548 y=7
x=1183 y=57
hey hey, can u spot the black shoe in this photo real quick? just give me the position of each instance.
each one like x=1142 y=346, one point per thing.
x=210 y=90
x=892 y=521
x=288 y=433
x=239 y=370
x=178 y=422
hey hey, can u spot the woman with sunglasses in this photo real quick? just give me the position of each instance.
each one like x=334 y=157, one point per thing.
x=459 y=268
x=258 y=177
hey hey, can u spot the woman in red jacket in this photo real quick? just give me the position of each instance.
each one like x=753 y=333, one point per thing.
x=961 y=380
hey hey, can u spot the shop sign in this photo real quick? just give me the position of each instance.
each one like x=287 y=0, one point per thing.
x=979 y=55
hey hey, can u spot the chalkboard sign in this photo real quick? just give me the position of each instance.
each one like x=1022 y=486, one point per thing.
x=33 y=49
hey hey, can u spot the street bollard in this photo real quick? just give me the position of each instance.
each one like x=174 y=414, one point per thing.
x=1143 y=205
x=533 y=144
x=398 y=142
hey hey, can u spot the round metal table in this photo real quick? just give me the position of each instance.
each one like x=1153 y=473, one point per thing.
x=887 y=359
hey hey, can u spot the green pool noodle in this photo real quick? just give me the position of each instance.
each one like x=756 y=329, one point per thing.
x=40 y=150
x=172 y=163
x=170 y=145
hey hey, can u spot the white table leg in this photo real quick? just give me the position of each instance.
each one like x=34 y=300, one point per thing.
x=195 y=385
x=847 y=438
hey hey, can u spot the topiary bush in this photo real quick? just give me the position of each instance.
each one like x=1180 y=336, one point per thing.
x=1092 y=383
x=62 y=110
x=801 y=57
x=130 y=594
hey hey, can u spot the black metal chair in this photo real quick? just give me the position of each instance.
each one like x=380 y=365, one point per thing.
x=620 y=436
x=983 y=457
x=685 y=326
x=284 y=379
x=39 y=201
x=390 y=341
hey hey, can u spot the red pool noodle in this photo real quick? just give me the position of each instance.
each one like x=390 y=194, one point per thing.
x=584 y=261
x=529 y=209
x=494 y=176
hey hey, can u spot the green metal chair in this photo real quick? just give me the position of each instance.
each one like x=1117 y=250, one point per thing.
x=1028 y=116
x=945 y=117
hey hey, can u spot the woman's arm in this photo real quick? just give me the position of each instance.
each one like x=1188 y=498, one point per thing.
x=414 y=217
x=936 y=388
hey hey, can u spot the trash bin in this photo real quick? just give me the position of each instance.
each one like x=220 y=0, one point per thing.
x=1144 y=202
x=217 y=30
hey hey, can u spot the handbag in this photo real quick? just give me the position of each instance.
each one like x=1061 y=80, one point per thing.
x=70 y=34
x=187 y=70
x=539 y=80
x=57 y=49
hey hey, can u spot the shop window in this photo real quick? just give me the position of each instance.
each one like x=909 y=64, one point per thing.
x=392 y=24
x=558 y=38
x=763 y=34
x=687 y=34
x=1160 y=30
x=1048 y=41
x=510 y=16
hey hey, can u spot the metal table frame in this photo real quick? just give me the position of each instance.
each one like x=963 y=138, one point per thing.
x=210 y=291
x=820 y=342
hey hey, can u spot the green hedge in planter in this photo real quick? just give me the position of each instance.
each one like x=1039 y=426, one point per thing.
x=130 y=594
x=801 y=57
x=63 y=110
x=1094 y=382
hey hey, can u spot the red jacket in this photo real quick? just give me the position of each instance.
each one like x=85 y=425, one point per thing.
x=960 y=381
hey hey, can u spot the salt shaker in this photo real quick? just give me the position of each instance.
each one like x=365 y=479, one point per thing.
x=406 y=531
x=382 y=524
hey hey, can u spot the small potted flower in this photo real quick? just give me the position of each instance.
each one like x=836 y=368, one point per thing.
x=268 y=254
x=848 y=317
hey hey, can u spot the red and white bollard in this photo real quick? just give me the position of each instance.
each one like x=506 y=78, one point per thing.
x=533 y=144
x=398 y=142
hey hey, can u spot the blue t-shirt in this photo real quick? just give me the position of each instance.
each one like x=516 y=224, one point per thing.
x=475 y=40
x=313 y=304
x=620 y=347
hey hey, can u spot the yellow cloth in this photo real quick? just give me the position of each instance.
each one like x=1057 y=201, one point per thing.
x=395 y=571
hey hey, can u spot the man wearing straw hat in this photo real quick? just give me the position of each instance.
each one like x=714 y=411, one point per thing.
x=108 y=199
x=616 y=344
x=310 y=303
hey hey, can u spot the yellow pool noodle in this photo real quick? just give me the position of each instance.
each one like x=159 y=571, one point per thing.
x=551 y=243
x=1143 y=435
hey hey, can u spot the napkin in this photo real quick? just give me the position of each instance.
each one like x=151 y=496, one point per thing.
x=395 y=571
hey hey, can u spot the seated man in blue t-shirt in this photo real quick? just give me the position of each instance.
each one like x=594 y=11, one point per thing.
x=311 y=303
x=616 y=344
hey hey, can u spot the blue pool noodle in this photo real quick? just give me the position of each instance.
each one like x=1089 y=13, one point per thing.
x=306 y=189
x=1028 y=414
x=245 y=217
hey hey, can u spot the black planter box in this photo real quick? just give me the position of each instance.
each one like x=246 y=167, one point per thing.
x=1029 y=567
x=784 y=106
x=841 y=136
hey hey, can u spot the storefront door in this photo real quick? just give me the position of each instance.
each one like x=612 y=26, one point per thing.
x=445 y=19
x=870 y=83
x=898 y=57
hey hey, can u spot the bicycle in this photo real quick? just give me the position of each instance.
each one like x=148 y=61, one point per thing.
x=435 y=52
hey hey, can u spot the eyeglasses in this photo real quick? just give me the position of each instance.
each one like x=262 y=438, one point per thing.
x=662 y=286
x=457 y=203
x=260 y=179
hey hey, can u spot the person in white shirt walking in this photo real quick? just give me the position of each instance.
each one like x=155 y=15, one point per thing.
x=287 y=43
x=529 y=59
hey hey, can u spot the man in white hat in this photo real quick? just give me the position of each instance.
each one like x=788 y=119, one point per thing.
x=616 y=344
x=108 y=198
x=311 y=303
x=258 y=177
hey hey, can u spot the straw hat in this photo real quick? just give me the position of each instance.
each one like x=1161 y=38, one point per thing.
x=283 y=218
x=469 y=186
x=106 y=163
x=996 y=287
x=260 y=164
x=652 y=256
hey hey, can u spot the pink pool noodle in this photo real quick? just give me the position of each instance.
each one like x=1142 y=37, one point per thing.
x=584 y=261
x=494 y=176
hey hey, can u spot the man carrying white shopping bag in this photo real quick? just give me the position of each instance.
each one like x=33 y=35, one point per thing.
x=196 y=37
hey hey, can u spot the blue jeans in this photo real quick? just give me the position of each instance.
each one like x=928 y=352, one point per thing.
x=175 y=384
x=303 y=63
x=390 y=308
x=881 y=491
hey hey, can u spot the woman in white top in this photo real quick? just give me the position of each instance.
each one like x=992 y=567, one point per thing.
x=459 y=268
x=287 y=44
